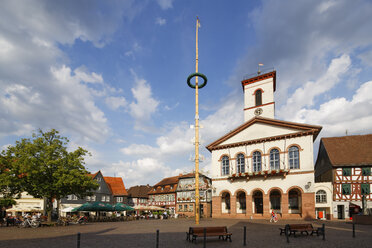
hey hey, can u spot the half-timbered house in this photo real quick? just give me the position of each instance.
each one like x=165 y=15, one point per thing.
x=346 y=162
x=163 y=194
x=186 y=195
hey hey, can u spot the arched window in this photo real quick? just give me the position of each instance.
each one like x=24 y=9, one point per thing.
x=240 y=163
x=258 y=95
x=257 y=161
x=294 y=161
x=225 y=165
x=321 y=196
x=274 y=159
x=293 y=199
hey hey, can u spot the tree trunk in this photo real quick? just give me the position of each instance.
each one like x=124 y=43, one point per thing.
x=49 y=208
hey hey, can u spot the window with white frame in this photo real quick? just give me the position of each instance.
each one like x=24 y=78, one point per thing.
x=93 y=198
x=321 y=196
x=103 y=198
x=293 y=156
x=88 y=198
x=274 y=159
x=240 y=163
x=225 y=165
x=119 y=199
x=74 y=197
x=69 y=197
x=107 y=198
x=257 y=165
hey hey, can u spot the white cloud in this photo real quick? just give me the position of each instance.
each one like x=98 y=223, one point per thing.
x=4 y=147
x=339 y=114
x=114 y=102
x=146 y=170
x=135 y=49
x=144 y=105
x=165 y=4
x=160 y=21
x=304 y=96
x=39 y=90
x=82 y=74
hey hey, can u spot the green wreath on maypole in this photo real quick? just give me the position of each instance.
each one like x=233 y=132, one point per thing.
x=197 y=74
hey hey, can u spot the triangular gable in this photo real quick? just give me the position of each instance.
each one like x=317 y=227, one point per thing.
x=278 y=130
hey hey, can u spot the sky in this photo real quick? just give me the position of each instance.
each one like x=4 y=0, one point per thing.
x=111 y=75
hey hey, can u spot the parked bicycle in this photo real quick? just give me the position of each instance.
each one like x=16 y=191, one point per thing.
x=30 y=222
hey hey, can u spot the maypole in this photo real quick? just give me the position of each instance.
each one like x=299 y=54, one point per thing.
x=197 y=87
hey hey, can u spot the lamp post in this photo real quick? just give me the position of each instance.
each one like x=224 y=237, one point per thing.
x=197 y=87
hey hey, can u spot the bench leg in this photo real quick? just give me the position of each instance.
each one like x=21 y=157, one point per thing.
x=228 y=237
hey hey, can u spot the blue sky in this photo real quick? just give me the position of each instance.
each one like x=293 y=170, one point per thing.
x=111 y=76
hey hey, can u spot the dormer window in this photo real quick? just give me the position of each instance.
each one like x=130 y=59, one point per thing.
x=99 y=179
x=258 y=96
x=162 y=188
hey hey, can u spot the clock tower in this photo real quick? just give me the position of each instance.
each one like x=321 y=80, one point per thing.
x=259 y=95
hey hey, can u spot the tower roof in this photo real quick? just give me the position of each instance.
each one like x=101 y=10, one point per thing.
x=252 y=78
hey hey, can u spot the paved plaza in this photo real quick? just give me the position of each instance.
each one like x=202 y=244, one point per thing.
x=142 y=233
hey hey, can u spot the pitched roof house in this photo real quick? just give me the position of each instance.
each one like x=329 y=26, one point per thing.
x=163 y=194
x=138 y=195
x=346 y=162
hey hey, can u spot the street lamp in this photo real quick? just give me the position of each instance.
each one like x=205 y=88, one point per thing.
x=197 y=87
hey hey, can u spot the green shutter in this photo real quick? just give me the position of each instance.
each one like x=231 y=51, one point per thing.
x=346 y=171
x=346 y=189
x=366 y=171
x=365 y=188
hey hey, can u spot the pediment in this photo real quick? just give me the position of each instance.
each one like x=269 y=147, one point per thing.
x=259 y=128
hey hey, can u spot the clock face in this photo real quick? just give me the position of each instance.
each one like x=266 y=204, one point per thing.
x=258 y=111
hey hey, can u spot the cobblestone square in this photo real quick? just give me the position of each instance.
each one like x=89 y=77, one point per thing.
x=142 y=233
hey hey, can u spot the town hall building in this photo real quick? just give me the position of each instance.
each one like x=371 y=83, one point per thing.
x=265 y=164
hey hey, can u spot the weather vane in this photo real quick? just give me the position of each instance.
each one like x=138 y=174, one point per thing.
x=197 y=87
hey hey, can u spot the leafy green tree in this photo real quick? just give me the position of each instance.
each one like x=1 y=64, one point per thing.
x=10 y=186
x=43 y=167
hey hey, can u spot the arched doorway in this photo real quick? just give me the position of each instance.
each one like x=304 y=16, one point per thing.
x=225 y=203
x=258 y=202
x=275 y=201
x=294 y=201
x=241 y=203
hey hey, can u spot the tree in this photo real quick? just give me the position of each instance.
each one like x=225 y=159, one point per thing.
x=43 y=167
x=9 y=184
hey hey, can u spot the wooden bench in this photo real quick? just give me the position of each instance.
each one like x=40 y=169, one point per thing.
x=302 y=228
x=220 y=231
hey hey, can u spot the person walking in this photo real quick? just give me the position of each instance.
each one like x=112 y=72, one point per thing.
x=274 y=217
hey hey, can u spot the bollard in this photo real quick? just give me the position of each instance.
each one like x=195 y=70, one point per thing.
x=286 y=232
x=78 y=240
x=157 y=238
x=245 y=236
x=353 y=230
x=205 y=238
x=323 y=227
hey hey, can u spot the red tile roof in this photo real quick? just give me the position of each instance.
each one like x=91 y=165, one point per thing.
x=116 y=185
x=349 y=150
x=93 y=175
x=167 y=185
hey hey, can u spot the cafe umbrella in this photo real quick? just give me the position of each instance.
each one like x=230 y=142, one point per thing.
x=122 y=207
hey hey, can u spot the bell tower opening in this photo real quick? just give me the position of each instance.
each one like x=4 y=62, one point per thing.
x=259 y=91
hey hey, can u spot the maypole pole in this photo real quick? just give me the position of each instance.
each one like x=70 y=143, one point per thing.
x=197 y=87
